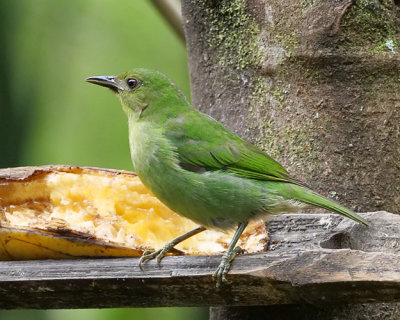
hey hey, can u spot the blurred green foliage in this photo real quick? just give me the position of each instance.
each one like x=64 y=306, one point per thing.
x=49 y=115
x=108 y=314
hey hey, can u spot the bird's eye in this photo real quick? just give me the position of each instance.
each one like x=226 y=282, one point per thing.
x=132 y=83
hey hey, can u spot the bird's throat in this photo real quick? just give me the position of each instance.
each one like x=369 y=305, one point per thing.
x=151 y=151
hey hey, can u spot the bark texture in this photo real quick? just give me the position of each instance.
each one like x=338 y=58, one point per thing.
x=316 y=85
x=313 y=83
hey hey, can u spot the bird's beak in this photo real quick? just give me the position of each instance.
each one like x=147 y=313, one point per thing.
x=105 y=81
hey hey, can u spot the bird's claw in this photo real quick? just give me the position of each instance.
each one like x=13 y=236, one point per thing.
x=223 y=268
x=220 y=274
x=158 y=254
x=148 y=255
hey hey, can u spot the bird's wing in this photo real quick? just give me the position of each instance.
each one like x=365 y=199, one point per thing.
x=203 y=144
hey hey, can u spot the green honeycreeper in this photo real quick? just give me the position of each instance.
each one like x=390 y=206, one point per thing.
x=200 y=169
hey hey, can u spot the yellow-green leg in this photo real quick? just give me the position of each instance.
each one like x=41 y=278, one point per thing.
x=160 y=253
x=229 y=255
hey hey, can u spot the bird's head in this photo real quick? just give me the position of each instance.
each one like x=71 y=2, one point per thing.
x=144 y=93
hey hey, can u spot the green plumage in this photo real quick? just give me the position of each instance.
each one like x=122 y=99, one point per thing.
x=197 y=167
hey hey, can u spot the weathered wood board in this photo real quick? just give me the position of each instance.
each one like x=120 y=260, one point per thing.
x=316 y=259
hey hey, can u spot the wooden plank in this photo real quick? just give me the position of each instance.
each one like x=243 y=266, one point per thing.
x=317 y=259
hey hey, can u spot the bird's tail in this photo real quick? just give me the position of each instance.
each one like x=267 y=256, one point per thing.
x=310 y=197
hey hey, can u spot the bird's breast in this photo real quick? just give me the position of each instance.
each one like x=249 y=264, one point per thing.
x=213 y=199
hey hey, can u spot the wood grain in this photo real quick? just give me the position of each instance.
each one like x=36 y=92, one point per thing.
x=315 y=259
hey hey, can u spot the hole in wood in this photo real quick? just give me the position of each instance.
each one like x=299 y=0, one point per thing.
x=340 y=240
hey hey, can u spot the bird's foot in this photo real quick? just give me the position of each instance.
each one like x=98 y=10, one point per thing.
x=223 y=268
x=169 y=247
x=158 y=254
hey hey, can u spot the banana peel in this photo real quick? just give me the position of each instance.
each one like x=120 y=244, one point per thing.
x=61 y=212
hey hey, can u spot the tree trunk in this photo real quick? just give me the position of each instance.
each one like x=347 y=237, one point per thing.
x=316 y=85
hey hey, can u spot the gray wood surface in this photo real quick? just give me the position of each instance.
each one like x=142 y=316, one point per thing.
x=315 y=259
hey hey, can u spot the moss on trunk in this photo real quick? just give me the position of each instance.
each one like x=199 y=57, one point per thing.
x=314 y=83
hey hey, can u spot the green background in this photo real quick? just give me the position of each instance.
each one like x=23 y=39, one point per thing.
x=50 y=48
x=50 y=115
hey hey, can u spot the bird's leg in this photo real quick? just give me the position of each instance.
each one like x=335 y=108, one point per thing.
x=160 y=253
x=229 y=255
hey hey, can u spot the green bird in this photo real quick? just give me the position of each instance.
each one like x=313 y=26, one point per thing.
x=200 y=169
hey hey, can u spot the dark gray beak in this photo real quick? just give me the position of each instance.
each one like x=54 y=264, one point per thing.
x=105 y=81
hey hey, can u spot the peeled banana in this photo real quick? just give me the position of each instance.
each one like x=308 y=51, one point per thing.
x=59 y=212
